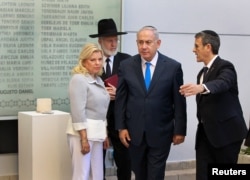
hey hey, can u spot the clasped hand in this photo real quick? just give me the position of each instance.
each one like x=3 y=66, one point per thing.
x=111 y=90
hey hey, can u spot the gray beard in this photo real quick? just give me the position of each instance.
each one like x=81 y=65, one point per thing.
x=110 y=53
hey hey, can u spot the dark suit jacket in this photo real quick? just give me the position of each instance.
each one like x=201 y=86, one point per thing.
x=220 y=110
x=119 y=57
x=160 y=112
x=247 y=141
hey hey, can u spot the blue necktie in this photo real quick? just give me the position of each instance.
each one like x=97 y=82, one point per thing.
x=147 y=75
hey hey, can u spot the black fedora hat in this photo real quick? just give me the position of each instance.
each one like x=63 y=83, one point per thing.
x=106 y=27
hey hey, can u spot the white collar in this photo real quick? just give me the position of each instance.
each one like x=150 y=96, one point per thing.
x=211 y=62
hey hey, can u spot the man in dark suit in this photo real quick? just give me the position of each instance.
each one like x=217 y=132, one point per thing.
x=108 y=40
x=150 y=120
x=222 y=128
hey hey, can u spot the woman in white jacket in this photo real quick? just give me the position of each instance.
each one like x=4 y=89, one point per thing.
x=89 y=102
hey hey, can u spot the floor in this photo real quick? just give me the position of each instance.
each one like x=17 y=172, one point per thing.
x=174 y=171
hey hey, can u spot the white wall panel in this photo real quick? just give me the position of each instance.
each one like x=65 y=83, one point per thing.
x=224 y=16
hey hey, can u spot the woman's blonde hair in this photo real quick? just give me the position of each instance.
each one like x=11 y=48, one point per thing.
x=85 y=54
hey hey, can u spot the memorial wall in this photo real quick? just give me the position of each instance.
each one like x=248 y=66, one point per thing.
x=39 y=44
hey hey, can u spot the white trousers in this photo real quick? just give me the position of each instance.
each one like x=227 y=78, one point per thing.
x=88 y=166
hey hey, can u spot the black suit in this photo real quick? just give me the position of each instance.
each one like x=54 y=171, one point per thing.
x=121 y=154
x=151 y=116
x=221 y=127
x=247 y=141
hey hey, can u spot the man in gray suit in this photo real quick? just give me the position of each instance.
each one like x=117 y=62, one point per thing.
x=151 y=115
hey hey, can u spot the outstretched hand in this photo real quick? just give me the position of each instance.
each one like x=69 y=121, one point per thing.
x=191 y=89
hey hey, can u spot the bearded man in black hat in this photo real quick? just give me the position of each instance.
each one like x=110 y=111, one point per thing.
x=108 y=40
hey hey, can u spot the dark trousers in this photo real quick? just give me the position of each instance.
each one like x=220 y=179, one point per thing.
x=149 y=163
x=121 y=156
x=207 y=153
x=247 y=141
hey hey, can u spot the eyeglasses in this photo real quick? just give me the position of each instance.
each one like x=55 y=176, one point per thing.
x=148 y=43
